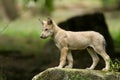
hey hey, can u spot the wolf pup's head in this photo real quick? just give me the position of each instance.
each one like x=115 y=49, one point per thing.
x=47 y=28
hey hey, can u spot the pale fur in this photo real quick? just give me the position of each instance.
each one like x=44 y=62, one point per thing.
x=68 y=40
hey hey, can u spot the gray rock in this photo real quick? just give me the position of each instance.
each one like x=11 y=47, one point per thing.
x=76 y=74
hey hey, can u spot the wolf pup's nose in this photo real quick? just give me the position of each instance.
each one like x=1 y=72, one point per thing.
x=41 y=36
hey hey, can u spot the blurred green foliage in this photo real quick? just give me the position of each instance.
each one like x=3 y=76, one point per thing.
x=2 y=76
x=114 y=29
x=49 y=5
x=46 y=5
x=27 y=31
x=110 y=3
x=22 y=35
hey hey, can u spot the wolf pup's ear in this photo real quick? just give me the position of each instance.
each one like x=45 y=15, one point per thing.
x=49 y=21
x=40 y=20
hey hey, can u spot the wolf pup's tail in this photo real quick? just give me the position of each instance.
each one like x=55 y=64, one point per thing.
x=104 y=44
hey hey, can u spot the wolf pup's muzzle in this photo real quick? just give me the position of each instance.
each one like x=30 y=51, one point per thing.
x=43 y=37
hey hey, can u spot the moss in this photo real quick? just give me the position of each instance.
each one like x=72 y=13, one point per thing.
x=78 y=77
x=82 y=75
x=76 y=74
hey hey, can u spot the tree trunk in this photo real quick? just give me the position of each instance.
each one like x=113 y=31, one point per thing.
x=10 y=9
x=48 y=7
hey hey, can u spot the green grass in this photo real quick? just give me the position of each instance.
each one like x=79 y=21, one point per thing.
x=22 y=28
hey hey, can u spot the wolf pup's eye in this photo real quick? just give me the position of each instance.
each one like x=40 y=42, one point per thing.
x=46 y=29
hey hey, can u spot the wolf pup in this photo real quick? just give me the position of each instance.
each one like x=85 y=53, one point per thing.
x=66 y=41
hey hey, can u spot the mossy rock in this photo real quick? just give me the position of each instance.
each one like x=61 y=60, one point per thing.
x=76 y=74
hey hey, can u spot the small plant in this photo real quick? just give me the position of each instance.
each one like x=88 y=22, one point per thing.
x=115 y=65
x=2 y=76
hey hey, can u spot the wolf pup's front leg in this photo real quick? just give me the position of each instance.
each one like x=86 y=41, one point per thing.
x=63 y=56
x=69 y=59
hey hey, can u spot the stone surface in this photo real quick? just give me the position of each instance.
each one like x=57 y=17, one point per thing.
x=76 y=74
